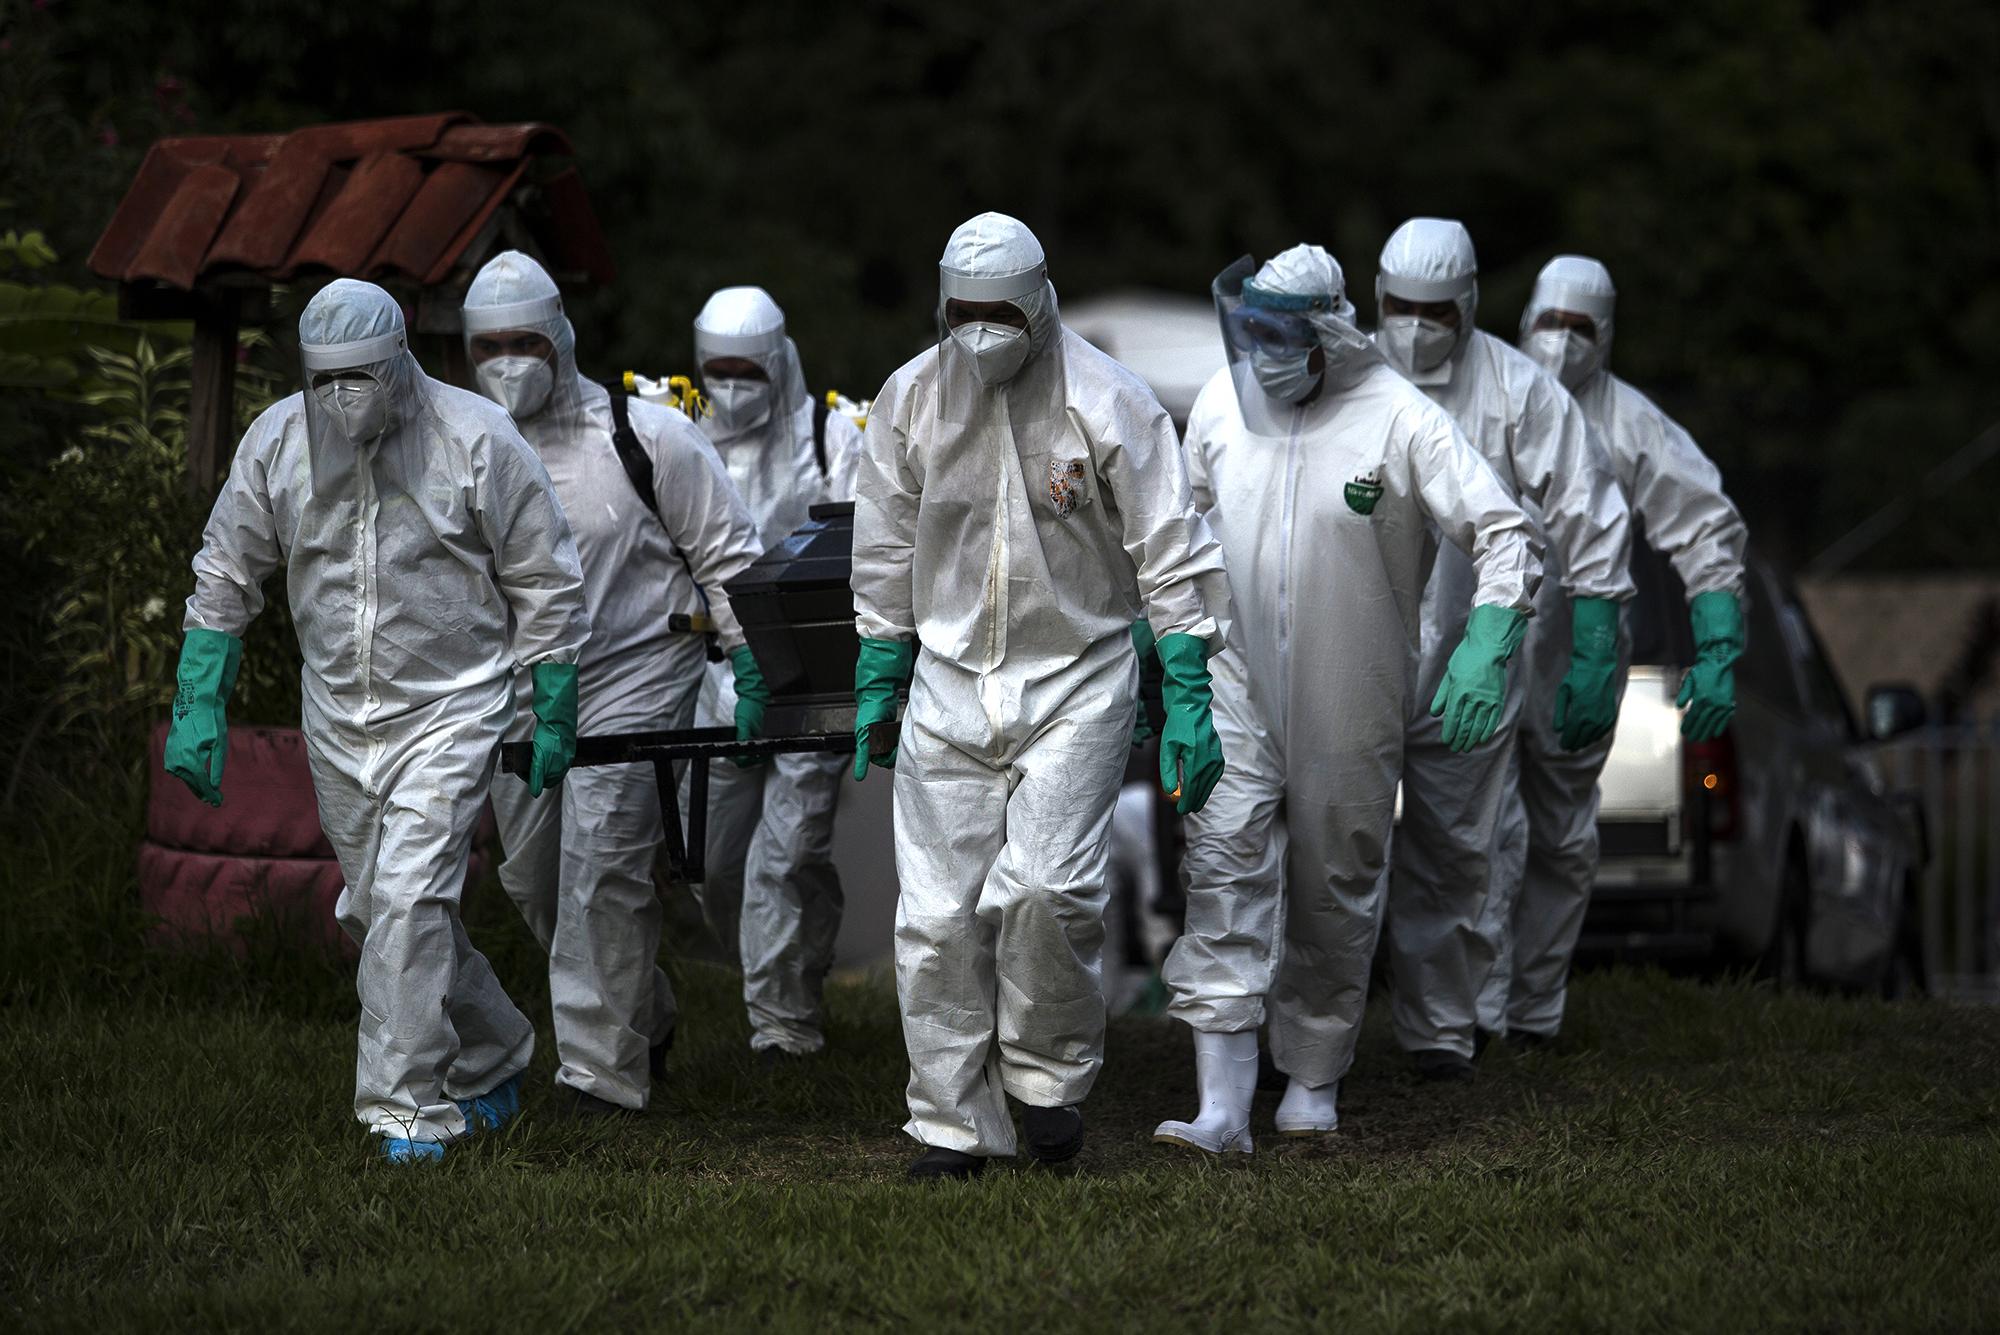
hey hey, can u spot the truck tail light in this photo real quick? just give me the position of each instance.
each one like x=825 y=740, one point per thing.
x=1708 y=777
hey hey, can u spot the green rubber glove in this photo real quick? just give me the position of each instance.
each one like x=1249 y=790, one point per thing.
x=554 y=741
x=752 y=697
x=197 y=740
x=1709 y=689
x=1587 y=700
x=882 y=666
x=1190 y=752
x=1474 y=690
x=1143 y=645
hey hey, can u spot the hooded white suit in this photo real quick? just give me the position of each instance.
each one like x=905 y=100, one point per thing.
x=426 y=566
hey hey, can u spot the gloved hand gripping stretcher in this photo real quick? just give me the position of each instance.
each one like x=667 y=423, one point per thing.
x=798 y=615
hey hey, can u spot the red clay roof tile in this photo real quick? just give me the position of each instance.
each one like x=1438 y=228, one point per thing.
x=400 y=198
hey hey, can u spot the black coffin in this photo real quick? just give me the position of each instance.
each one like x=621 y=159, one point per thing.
x=797 y=612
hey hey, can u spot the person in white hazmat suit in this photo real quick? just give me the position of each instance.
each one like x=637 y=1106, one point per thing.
x=1020 y=501
x=580 y=870
x=426 y=560
x=771 y=887
x=1534 y=435
x=1548 y=831
x=1324 y=474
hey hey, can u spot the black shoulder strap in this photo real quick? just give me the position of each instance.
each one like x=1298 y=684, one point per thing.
x=639 y=468
x=820 y=409
x=638 y=464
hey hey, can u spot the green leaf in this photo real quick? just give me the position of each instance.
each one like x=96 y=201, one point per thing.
x=27 y=250
x=48 y=332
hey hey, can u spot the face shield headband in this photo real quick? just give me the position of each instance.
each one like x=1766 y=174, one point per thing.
x=355 y=356
x=1014 y=287
x=1564 y=297
x=543 y=314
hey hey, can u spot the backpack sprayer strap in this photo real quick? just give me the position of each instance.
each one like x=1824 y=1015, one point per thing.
x=821 y=407
x=639 y=468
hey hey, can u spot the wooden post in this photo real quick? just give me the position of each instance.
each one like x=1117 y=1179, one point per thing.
x=457 y=364
x=441 y=331
x=212 y=406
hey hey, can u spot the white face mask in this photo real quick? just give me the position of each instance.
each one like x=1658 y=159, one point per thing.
x=521 y=385
x=1285 y=376
x=1569 y=355
x=997 y=350
x=1415 y=344
x=361 y=406
x=739 y=404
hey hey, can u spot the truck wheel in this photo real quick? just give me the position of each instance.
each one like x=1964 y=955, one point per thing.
x=1783 y=962
x=1903 y=976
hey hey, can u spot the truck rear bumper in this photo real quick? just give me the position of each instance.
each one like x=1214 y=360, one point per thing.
x=1649 y=920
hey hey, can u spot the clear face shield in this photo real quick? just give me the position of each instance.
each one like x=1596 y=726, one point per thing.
x=357 y=395
x=523 y=357
x=749 y=379
x=1568 y=333
x=999 y=347
x=1285 y=351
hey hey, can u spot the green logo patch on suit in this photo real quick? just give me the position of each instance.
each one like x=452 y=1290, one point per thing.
x=1363 y=492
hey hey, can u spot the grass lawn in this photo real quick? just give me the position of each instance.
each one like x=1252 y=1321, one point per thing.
x=1692 y=1156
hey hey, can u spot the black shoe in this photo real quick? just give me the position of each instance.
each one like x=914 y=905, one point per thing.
x=1524 y=1040
x=656 y=1056
x=1054 y=1135
x=775 y=1061
x=1442 y=1064
x=935 y=1165
x=576 y=1103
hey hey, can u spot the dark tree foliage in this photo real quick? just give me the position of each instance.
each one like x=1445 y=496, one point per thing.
x=1798 y=200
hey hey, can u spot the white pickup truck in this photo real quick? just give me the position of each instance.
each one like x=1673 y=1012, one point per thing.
x=1778 y=844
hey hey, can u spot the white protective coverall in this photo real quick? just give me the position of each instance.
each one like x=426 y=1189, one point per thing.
x=1527 y=426
x=1015 y=531
x=771 y=889
x=426 y=561
x=1548 y=829
x=579 y=864
x=1326 y=513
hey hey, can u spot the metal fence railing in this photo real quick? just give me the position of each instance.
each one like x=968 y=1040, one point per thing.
x=1953 y=774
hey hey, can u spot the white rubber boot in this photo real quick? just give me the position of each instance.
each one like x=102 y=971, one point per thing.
x=1225 y=1075
x=1308 y=1110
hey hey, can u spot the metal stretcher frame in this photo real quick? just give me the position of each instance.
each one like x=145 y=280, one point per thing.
x=687 y=850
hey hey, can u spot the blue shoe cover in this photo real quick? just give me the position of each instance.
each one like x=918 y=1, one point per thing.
x=397 y=1150
x=495 y=1108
